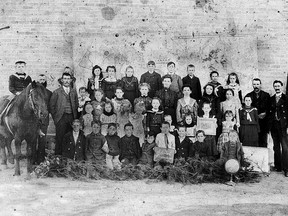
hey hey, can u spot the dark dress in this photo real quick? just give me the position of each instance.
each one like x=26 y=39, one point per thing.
x=194 y=83
x=249 y=126
x=94 y=144
x=261 y=102
x=219 y=91
x=154 y=121
x=130 y=88
x=91 y=82
x=110 y=87
x=168 y=102
x=154 y=80
x=183 y=148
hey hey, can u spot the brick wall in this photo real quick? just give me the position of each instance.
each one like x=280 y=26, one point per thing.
x=50 y=35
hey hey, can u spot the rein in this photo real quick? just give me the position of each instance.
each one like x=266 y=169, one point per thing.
x=35 y=111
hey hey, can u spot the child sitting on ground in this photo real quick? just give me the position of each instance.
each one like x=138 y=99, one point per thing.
x=108 y=116
x=183 y=143
x=130 y=150
x=201 y=148
x=227 y=126
x=147 y=150
x=95 y=141
x=190 y=127
x=112 y=157
x=232 y=149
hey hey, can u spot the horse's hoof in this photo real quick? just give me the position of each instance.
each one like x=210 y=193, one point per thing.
x=11 y=160
x=16 y=174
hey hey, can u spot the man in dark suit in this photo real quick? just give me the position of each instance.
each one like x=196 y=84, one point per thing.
x=63 y=107
x=260 y=100
x=278 y=122
x=152 y=78
x=168 y=98
x=43 y=128
x=74 y=143
x=194 y=82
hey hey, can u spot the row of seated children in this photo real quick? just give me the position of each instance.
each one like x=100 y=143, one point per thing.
x=116 y=152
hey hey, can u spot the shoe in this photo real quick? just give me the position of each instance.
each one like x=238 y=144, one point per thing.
x=276 y=169
x=286 y=173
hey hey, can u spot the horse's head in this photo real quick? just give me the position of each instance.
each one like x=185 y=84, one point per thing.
x=38 y=100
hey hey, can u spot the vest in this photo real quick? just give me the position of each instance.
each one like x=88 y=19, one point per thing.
x=67 y=104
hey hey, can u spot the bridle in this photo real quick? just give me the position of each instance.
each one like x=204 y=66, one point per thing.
x=31 y=102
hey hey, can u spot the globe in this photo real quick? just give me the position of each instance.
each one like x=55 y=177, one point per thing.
x=232 y=166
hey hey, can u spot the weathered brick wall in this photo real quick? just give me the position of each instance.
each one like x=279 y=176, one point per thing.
x=50 y=35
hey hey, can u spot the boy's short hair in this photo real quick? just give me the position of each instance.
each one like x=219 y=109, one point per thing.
x=20 y=62
x=76 y=121
x=82 y=88
x=128 y=125
x=200 y=131
x=151 y=63
x=144 y=84
x=213 y=72
x=248 y=96
x=190 y=66
x=167 y=76
x=170 y=63
x=95 y=122
x=182 y=126
x=165 y=123
x=151 y=133
x=112 y=125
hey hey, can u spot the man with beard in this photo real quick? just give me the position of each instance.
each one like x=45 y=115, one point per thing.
x=63 y=107
x=277 y=115
x=260 y=100
x=44 y=126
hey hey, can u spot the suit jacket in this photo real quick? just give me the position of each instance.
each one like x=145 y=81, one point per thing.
x=195 y=85
x=72 y=150
x=129 y=147
x=56 y=104
x=183 y=148
x=282 y=110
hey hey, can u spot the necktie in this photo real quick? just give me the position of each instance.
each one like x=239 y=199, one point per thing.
x=166 y=140
x=277 y=99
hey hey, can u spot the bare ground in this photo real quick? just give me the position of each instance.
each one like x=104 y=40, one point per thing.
x=59 y=196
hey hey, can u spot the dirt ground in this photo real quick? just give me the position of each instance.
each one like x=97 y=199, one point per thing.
x=59 y=196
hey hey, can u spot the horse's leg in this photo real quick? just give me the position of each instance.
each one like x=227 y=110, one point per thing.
x=31 y=153
x=3 y=152
x=10 y=152
x=18 y=155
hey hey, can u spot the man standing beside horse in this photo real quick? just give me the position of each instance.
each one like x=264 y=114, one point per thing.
x=63 y=107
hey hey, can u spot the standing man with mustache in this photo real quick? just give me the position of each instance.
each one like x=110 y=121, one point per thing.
x=63 y=107
x=278 y=125
x=260 y=100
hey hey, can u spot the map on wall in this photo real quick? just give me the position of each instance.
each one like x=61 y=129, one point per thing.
x=207 y=53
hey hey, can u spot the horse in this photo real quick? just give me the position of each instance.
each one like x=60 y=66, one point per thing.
x=22 y=121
